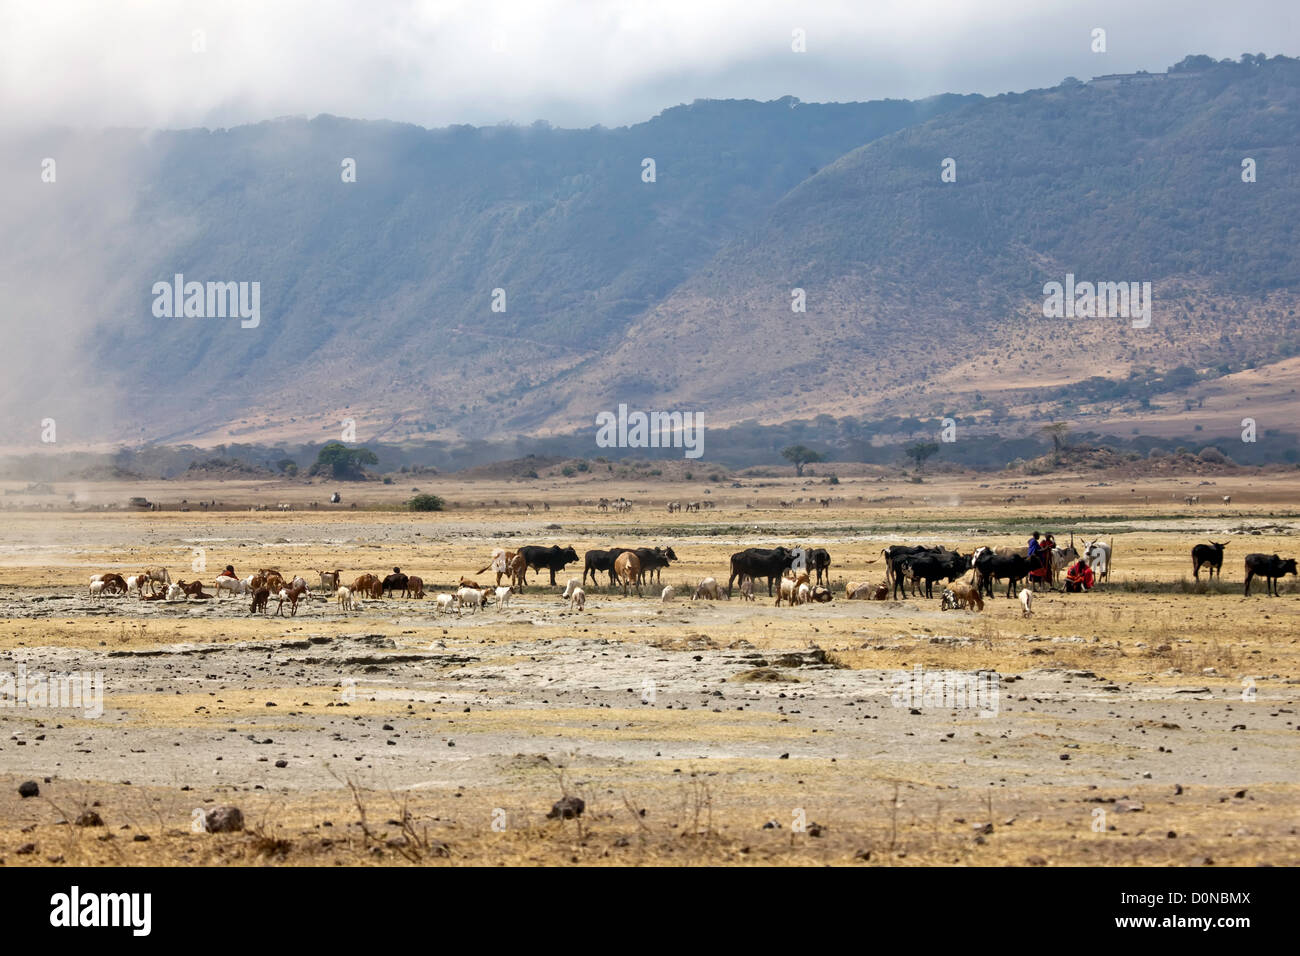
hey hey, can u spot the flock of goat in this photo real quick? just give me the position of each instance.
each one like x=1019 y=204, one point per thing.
x=795 y=576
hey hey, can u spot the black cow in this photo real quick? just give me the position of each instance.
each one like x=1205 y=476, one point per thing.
x=759 y=563
x=929 y=568
x=595 y=561
x=1014 y=567
x=1270 y=567
x=395 y=582
x=1211 y=554
x=819 y=562
x=896 y=551
x=653 y=561
x=553 y=559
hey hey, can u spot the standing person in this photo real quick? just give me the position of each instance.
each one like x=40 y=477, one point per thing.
x=1047 y=547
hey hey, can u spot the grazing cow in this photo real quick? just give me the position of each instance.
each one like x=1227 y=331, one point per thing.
x=343 y=597
x=1269 y=567
x=293 y=595
x=330 y=580
x=473 y=597
x=1211 y=554
x=992 y=566
x=819 y=562
x=503 y=597
x=707 y=589
x=578 y=599
x=397 y=581
x=929 y=568
x=1099 y=556
x=1026 y=602
x=366 y=584
x=226 y=583
x=627 y=569
x=446 y=603
x=260 y=597
x=760 y=563
x=653 y=561
x=595 y=561
x=552 y=559
x=414 y=587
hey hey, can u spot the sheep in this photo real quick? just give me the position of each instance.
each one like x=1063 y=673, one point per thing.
x=709 y=589
x=578 y=599
x=343 y=597
x=503 y=597
x=667 y=595
x=858 y=591
x=1026 y=602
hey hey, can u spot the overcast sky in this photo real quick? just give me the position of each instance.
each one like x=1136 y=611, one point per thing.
x=572 y=62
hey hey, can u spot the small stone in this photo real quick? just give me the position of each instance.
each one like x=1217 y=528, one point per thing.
x=28 y=788
x=566 y=808
x=282 y=764
x=89 y=818
x=224 y=820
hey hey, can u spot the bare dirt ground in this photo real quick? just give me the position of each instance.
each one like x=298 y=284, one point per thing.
x=1151 y=721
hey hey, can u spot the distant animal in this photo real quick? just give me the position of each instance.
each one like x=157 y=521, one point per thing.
x=948 y=600
x=1227 y=499
x=396 y=581
x=819 y=562
x=260 y=597
x=708 y=589
x=896 y=551
x=1026 y=602
x=226 y=583
x=803 y=593
x=446 y=603
x=1269 y=567
x=194 y=590
x=600 y=560
x=330 y=580
x=653 y=561
x=578 y=599
x=503 y=597
x=667 y=595
x=500 y=564
x=929 y=567
x=158 y=575
x=96 y=590
x=746 y=588
x=365 y=584
x=292 y=595
x=967 y=595
x=822 y=594
x=992 y=567
x=858 y=591
x=1211 y=554
x=471 y=597
x=627 y=569
x=760 y=563
x=1100 y=557
x=414 y=587
x=552 y=559
x=175 y=593
x=785 y=591
x=343 y=597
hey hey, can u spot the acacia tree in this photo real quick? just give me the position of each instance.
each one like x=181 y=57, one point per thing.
x=800 y=455
x=920 y=452
x=346 y=464
x=1058 y=432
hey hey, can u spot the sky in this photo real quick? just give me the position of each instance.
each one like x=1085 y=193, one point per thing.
x=573 y=63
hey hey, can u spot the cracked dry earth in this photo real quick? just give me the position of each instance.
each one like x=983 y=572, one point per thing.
x=694 y=732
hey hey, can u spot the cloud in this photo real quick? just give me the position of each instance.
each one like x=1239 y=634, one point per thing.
x=573 y=62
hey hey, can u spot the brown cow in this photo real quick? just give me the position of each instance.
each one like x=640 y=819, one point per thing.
x=260 y=597
x=414 y=587
x=627 y=569
x=502 y=563
x=369 y=585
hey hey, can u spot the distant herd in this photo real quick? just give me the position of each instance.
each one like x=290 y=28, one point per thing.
x=794 y=576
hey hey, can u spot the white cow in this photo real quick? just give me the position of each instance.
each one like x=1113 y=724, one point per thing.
x=1098 y=555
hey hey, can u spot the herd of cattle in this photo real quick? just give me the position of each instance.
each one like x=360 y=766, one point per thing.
x=793 y=575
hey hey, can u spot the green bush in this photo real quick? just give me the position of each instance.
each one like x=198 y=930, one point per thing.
x=426 y=502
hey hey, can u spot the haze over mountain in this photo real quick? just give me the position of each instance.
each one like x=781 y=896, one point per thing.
x=924 y=296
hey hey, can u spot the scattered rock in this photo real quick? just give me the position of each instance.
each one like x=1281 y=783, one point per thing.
x=28 y=788
x=224 y=820
x=566 y=808
x=89 y=818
